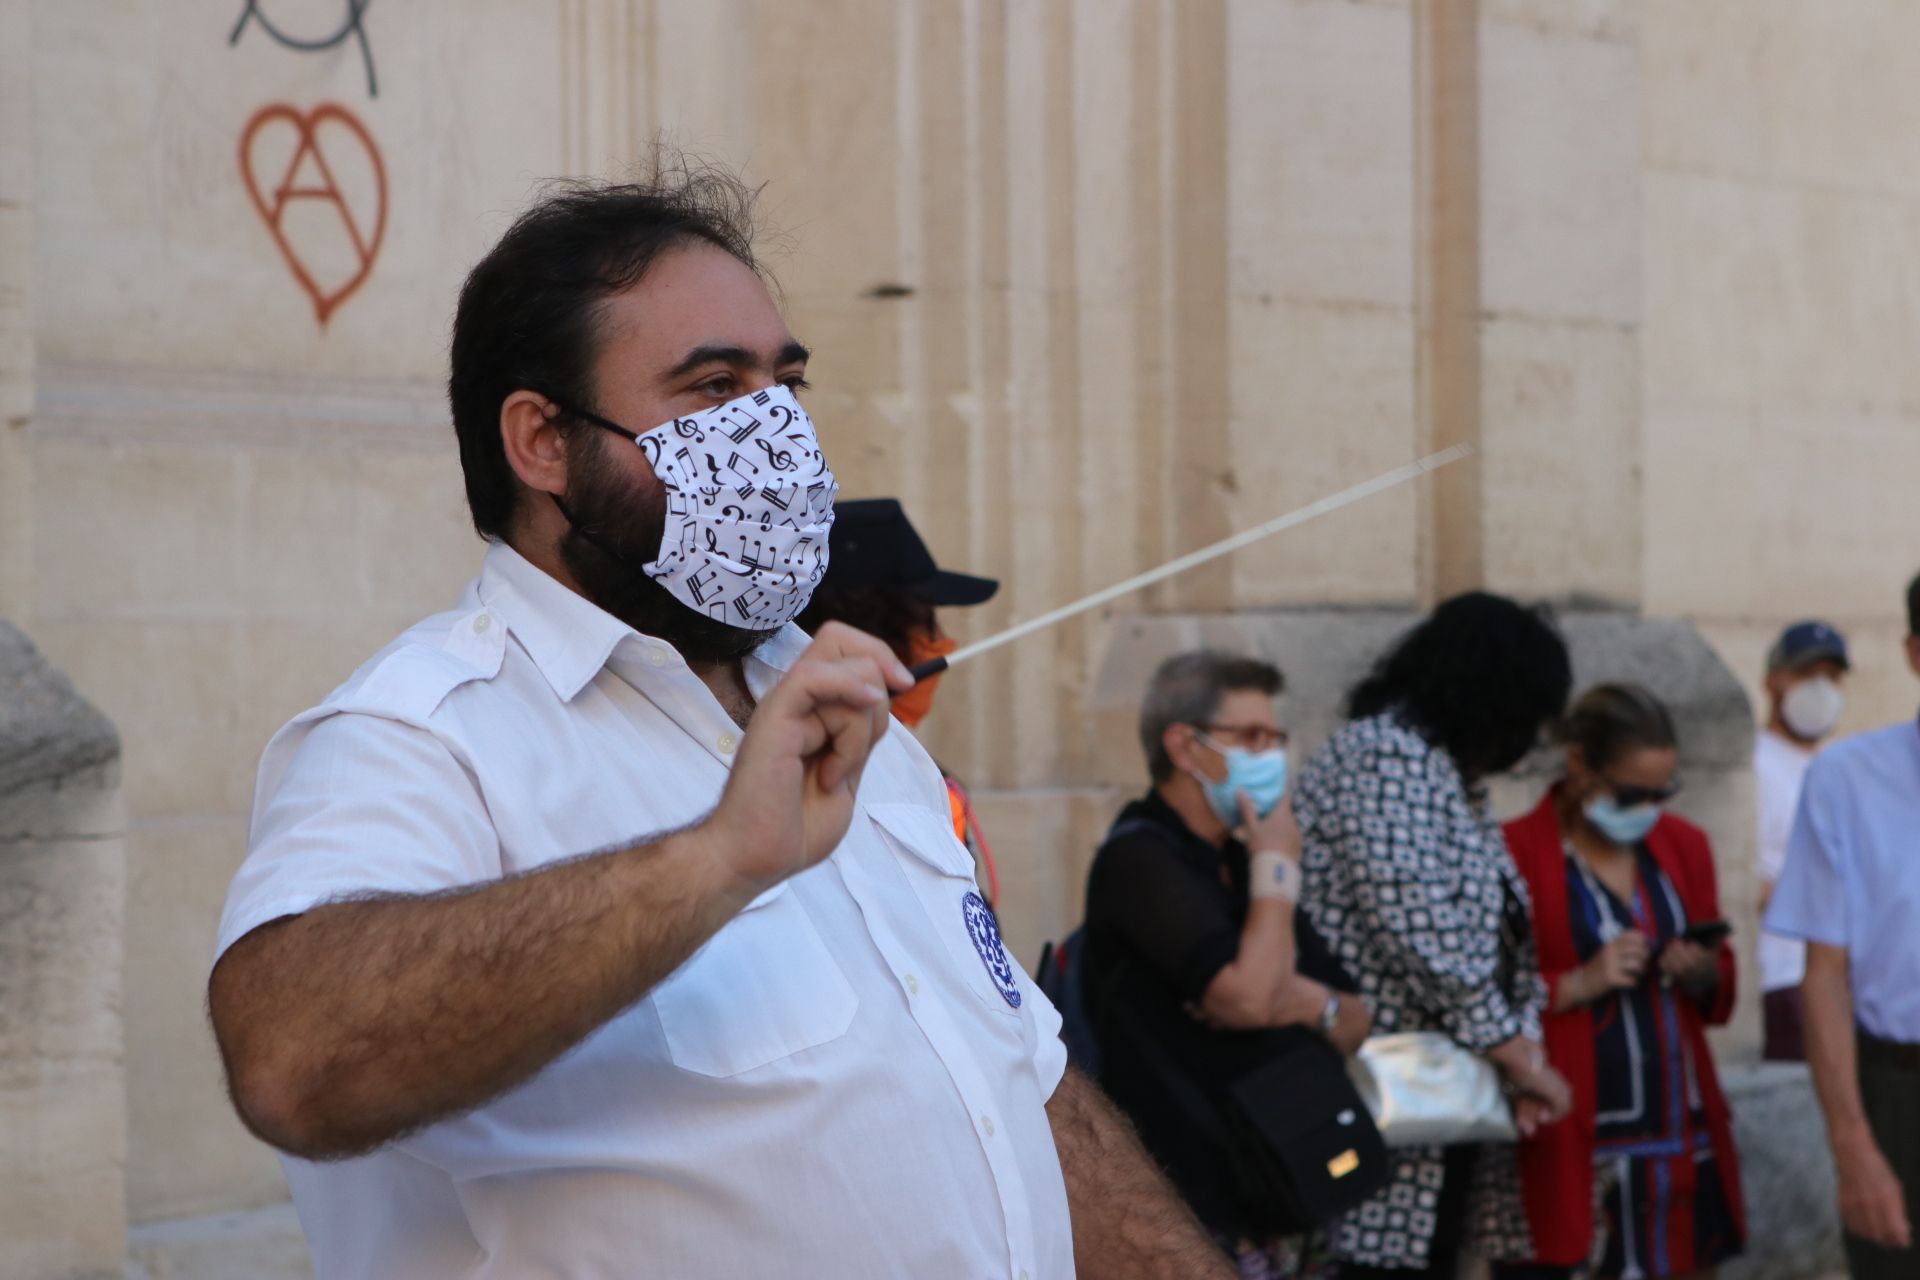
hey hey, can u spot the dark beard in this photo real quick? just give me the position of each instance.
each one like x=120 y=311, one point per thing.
x=613 y=529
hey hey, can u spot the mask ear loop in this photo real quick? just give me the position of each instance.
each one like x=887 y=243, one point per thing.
x=593 y=540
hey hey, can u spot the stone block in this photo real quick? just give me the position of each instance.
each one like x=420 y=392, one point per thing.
x=832 y=141
x=299 y=553
x=1560 y=170
x=1782 y=547
x=1323 y=398
x=48 y=732
x=1697 y=59
x=62 y=1213
x=1614 y=21
x=169 y=548
x=1763 y=294
x=171 y=687
x=253 y=1244
x=16 y=489
x=1751 y=87
x=186 y=1150
x=411 y=499
x=62 y=904
x=1321 y=152
x=1560 y=468
x=1792 y=1218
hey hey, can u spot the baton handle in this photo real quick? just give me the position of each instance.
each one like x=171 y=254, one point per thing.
x=922 y=670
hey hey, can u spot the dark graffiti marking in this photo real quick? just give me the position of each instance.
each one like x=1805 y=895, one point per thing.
x=351 y=26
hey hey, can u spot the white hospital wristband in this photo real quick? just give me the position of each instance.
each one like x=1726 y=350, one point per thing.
x=1274 y=875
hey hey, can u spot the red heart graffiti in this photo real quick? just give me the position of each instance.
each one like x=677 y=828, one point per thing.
x=273 y=204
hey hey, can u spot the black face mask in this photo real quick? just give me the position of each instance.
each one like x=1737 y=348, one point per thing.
x=614 y=528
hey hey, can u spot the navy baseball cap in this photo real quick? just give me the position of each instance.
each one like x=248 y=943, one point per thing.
x=873 y=544
x=1805 y=642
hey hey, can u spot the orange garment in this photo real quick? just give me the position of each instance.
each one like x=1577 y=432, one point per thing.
x=911 y=707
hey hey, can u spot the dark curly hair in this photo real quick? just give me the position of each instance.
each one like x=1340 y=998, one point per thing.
x=893 y=616
x=1913 y=606
x=529 y=313
x=1479 y=678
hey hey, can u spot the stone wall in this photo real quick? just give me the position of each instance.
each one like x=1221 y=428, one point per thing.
x=62 y=903
x=1781 y=198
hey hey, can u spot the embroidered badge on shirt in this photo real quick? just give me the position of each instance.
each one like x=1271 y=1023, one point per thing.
x=985 y=932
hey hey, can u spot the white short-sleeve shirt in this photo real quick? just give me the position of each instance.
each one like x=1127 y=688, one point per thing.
x=848 y=1079
x=1779 y=771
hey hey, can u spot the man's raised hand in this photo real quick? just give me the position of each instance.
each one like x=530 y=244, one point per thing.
x=791 y=796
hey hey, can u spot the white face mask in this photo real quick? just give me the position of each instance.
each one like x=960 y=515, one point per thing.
x=749 y=507
x=1813 y=707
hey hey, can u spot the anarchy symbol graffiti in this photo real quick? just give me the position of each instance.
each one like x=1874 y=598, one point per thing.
x=325 y=141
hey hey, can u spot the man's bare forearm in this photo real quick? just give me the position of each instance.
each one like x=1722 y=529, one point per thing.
x=358 y=1021
x=1128 y=1221
x=1827 y=1011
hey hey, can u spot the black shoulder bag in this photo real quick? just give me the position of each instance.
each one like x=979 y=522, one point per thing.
x=1299 y=1143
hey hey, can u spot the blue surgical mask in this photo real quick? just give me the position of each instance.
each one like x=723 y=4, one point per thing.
x=1622 y=826
x=1262 y=775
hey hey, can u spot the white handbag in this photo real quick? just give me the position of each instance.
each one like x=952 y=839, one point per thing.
x=1424 y=1089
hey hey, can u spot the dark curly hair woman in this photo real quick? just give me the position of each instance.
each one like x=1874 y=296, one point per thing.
x=1408 y=877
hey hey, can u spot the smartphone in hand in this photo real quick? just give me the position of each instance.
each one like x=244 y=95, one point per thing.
x=1708 y=933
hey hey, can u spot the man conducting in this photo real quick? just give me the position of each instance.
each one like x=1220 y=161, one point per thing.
x=1850 y=889
x=598 y=927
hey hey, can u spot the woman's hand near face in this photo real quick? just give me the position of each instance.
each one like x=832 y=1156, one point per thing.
x=1278 y=832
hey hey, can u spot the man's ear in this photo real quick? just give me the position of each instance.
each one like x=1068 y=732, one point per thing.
x=1913 y=653
x=532 y=439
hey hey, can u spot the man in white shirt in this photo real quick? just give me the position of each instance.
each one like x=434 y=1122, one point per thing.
x=1806 y=678
x=1851 y=890
x=597 y=927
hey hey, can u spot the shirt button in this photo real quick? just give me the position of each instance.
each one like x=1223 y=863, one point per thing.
x=986 y=1123
x=727 y=743
x=658 y=657
x=481 y=623
x=913 y=985
x=1023 y=1273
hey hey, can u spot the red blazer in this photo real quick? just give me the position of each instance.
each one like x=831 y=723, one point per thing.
x=1556 y=1165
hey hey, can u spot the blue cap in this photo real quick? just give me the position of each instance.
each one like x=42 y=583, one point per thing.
x=1807 y=642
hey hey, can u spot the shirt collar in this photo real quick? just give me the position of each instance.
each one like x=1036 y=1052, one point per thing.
x=1154 y=808
x=570 y=638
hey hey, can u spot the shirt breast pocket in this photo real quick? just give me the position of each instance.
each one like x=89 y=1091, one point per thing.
x=940 y=869
x=763 y=988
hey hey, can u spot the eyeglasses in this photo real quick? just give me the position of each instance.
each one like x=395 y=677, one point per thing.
x=1254 y=737
x=1630 y=797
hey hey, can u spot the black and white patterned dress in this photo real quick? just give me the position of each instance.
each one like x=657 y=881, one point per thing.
x=1409 y=880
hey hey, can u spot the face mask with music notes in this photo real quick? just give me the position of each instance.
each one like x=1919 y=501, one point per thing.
x=749 y=507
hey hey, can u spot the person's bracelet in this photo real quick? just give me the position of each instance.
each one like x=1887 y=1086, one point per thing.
x=1274 y=875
